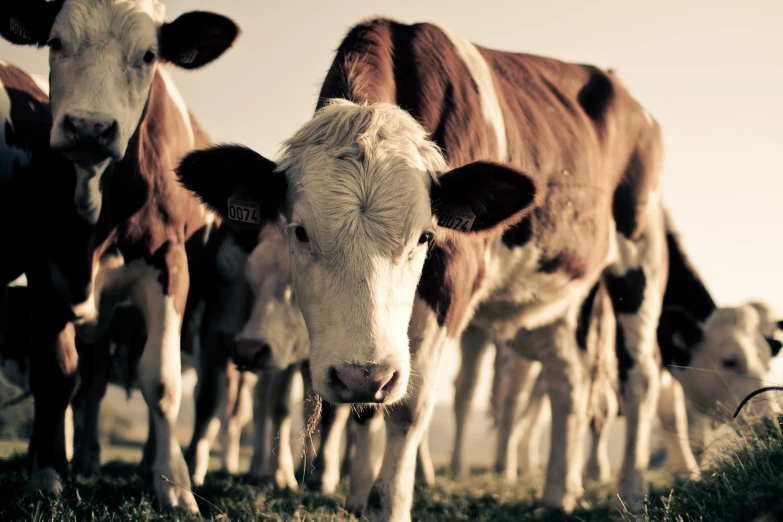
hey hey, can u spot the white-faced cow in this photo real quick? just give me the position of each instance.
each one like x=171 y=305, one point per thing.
x=121 y=124
x=256 y=321
x=398 y=240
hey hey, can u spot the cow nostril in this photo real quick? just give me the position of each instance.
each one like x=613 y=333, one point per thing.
x=109 y=133
x=261 y=355
x=69 y=124
x=334 y=377
x=389 y=384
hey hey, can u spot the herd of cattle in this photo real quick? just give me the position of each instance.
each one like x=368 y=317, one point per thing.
x=444 y=197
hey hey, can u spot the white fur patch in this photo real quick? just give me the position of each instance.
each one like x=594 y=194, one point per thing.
x=176 y=97
x=42 y=82
x=485 y=84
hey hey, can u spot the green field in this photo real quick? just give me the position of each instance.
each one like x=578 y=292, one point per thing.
x=744 y=486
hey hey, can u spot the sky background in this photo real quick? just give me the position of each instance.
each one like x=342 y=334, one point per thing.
x=710 y=71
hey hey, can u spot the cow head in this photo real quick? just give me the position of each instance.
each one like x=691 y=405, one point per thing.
x=103 y=55
x=721 y=361
x=363 y=191
x=275 y=334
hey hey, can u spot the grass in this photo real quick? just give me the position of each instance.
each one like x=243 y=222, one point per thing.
x=745 y=486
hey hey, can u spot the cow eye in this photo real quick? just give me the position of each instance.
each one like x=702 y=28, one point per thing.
x=149 y=57
x=426 y=237
x=301 y=234
x=730 y=362
x=55 y=44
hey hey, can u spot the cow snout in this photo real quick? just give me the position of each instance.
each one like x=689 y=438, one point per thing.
x=252 y=353
x=92 y=133
x=363 y=383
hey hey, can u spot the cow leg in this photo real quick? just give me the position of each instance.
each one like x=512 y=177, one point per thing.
x=229 y=413
x=518 y=380
x=636 y=282
x=161 y=296
x=53 y=375
x=599 y=468
x=674 y=420
x=391 y=497
x=211 y=395
x=473 y=345
x=262 y=427
x=700 y=430
x=425 y=470
x=282 y=462
x=368 y=458
x=94 y=360
x=532 y=424
x=350 y=445
x=326 y=473
x=148 y=454
x=565 y=376
x=242 y=414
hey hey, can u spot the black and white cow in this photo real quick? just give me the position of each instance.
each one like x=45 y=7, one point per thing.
x=442 y=183
x=126 y=226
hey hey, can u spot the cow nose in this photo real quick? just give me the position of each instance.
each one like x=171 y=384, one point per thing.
x=95 y=129
x=252 y=353
x=363 y=383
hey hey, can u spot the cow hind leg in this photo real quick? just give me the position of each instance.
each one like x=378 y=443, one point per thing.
x=425 y=470
x=160 y=376
x=262 y=426
x=635 y=282
x=241 y=414
x=537 y=417
x=473 y=345
x=672 y=412
x=598 y=465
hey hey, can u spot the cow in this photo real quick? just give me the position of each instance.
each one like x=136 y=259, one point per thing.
x=256 y=323
x=441 y=183
x=119 y=124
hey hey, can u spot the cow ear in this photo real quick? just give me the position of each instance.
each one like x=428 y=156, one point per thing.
x=237 y=183
x=774 y=345
x=678 y=333
x=196 y=38
x=482 y=196
x=28 y=22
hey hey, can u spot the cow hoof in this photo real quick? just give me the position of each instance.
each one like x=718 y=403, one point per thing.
x=45 y=480
x=356 y=507
x=197 y=480
x=323 y=483
x=455 y=470
x=175 y=497
x=284 y=482
x=86 y=463
x=557 y=497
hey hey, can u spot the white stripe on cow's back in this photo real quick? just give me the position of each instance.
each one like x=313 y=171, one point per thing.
x=42 y=82
x=485 y=83
x=179 y=102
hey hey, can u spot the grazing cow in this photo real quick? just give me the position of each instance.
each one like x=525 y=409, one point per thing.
x=120 y=125
x=553 y=182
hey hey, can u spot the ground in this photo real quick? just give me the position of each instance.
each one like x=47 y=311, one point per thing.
x=746 y=485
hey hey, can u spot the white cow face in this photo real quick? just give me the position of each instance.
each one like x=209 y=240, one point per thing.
x=275 y=334
x=722 y=361
x=362 y=190
x=103 y=55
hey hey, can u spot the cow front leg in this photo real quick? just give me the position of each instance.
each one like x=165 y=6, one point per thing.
x=282 y=461
x=367 y=459
x=237 y=417
x=161 y=296
x=536 y=418
x=565 y=376
x=326 y=472
x=94 y=360
x=391 y=497
x=473 y=345
x=53 y=375
x=262 y=426
x=211 y=395
x=673 y=413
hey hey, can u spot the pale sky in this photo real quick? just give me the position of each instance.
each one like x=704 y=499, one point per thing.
x=710 y=71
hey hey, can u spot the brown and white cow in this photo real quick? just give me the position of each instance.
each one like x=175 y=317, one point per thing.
x=394 y=250
x=120 y=123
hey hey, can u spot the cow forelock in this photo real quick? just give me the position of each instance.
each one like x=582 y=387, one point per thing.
x=360 y=179
x=736 y=357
